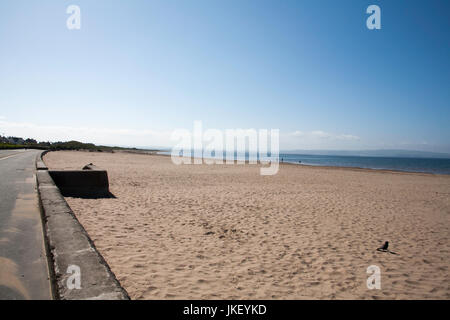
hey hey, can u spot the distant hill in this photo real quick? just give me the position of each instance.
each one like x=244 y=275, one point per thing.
x=373 y=153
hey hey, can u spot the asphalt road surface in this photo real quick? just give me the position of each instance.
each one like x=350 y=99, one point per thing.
x=23 y=263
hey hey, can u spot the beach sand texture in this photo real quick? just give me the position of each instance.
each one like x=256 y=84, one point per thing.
x=226 y=232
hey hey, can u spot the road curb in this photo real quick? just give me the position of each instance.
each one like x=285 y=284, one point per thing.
x=78 y=270
x=40 y=165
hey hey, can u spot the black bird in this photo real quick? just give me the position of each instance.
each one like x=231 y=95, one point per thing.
x=384 y=248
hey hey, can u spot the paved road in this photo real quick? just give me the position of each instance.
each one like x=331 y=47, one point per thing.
x=23 y=264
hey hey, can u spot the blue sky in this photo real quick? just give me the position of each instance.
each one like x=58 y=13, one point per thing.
x=136 y=70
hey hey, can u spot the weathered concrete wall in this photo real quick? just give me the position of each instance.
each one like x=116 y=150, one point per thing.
x=70 y=248
x=81 y=183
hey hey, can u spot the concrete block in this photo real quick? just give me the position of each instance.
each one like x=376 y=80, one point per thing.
x=82 y=183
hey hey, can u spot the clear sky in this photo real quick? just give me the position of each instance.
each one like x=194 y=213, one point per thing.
x=136 y=70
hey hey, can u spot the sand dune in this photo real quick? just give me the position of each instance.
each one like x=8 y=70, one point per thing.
x=226 y=232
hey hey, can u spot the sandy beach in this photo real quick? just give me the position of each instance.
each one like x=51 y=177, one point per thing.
x=226 y=232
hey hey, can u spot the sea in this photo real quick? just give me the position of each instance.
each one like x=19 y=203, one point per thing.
x=407 y=164
x=427 y=165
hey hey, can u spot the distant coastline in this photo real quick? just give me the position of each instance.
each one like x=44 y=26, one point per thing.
x=388 y=153
x=398 y=164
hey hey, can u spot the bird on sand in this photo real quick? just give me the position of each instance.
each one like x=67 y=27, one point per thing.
x=384 y=248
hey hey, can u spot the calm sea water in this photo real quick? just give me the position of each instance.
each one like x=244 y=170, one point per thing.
x=441 y=166
x=428 y=165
